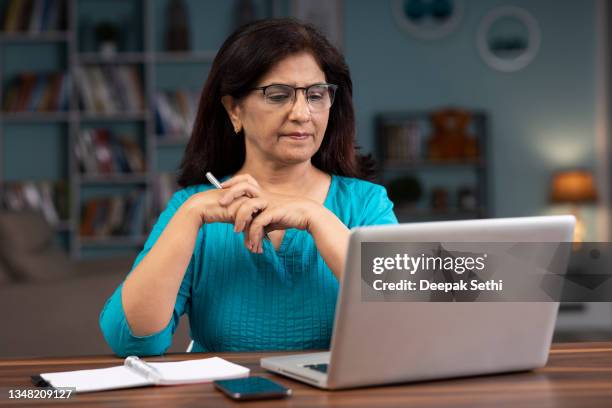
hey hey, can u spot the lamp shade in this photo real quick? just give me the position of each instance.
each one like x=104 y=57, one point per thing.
x=576 y=186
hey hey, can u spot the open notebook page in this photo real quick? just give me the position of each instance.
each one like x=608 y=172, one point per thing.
x=191 y=371
x=97 y=380
x=181 y=372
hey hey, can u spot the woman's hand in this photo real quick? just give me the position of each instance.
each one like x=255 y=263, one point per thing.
x=256 y=211
x=205 y=207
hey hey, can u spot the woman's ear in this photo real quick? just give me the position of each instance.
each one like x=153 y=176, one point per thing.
x=233 y=111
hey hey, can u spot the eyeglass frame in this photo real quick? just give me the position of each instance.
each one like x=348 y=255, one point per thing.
x=296 y=88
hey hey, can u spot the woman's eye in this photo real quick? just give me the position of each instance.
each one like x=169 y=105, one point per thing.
x=315 y=97
x=278 y=97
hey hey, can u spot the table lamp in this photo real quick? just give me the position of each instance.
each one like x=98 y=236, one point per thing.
x=575 y=187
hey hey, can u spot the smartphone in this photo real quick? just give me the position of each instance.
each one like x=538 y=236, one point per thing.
x=252 y=388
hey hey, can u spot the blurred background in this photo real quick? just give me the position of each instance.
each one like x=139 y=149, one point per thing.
x=473 y=109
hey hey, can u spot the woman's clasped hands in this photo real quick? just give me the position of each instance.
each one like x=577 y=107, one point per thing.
x=255 y=211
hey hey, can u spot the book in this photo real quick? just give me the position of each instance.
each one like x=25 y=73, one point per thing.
x=137 y=373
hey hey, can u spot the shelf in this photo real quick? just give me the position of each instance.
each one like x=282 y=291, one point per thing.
x=184 y=57
x=112 y=241
x=27 y=37
x=35 y=116
x=72 y=47
x=120 y=116
x=119 y=58
x=125 y=178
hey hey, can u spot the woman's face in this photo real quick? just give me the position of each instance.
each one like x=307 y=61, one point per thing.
x=267 y=127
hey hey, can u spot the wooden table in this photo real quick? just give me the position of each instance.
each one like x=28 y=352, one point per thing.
x=577 y=375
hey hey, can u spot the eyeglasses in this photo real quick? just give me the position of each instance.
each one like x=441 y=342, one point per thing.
x=319 y=97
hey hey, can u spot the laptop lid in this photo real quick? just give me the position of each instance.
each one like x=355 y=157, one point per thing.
x=386 y=342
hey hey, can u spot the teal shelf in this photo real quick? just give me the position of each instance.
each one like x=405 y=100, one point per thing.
x=39 y=146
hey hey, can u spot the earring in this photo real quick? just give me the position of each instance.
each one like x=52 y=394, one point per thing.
x=237 y=129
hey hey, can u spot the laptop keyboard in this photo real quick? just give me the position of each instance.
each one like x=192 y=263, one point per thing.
x=318 y=367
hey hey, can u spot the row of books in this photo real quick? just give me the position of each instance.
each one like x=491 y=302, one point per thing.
x=119 y=215
x=42 y=92
x=100 y=151
x=50 y=198
x=402 y=142
x=175 y=112
x=34 y=16
x=110 y=89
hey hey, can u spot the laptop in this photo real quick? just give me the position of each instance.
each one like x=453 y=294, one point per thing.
x=375 y=343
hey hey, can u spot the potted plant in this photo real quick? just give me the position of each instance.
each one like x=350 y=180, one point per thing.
x=107 y=36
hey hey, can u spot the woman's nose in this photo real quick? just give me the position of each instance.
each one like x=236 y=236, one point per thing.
x=299 y=110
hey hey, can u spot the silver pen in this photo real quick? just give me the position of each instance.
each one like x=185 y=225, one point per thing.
x=213 y=180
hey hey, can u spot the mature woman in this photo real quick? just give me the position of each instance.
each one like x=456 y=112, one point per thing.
x=276 y=124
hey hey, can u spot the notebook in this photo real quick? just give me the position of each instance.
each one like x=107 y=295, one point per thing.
x=137 y=373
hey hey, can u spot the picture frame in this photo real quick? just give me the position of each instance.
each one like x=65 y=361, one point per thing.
x=512 y=50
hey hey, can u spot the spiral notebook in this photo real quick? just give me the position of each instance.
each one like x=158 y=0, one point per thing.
x=137 y=373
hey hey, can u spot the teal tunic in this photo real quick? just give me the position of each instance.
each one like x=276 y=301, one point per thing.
x=239 y=301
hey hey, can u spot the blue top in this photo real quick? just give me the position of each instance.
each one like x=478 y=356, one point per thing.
x=239 y=301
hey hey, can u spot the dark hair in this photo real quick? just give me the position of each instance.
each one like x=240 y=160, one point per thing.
x=246 y=56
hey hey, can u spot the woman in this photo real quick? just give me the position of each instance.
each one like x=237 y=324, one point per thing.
x=276 y=124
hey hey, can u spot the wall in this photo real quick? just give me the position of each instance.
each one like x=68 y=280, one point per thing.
x=542 y=118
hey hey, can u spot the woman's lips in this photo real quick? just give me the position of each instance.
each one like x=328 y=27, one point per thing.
x=298 y=136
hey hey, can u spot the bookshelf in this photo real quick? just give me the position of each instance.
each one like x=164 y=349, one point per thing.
x=71 y=48
x=430 y=188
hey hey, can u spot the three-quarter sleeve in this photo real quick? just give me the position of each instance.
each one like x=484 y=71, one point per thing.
x=113 y=322
x=378 y=208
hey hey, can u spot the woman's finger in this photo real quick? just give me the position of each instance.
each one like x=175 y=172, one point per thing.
x=256 y=229
x=234 y=206
x=239 y=190
x=247 y=211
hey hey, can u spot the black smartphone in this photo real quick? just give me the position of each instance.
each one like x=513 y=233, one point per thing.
x=252 y=388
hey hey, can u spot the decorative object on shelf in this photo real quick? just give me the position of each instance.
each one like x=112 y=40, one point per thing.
x=508 y=38
x=450 y=139
x=245 y=12
x=107 y=38
x=402 y=142
x=439 y=199
x=405 y=191
x=466 y=199
x=326 y=15
x=577 y=188
x=428 y=19
x=178 y=32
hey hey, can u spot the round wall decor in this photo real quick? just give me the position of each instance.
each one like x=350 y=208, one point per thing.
x=428 y=19
x=508 y=38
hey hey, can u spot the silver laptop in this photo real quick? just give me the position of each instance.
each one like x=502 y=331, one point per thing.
x=392 y=342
